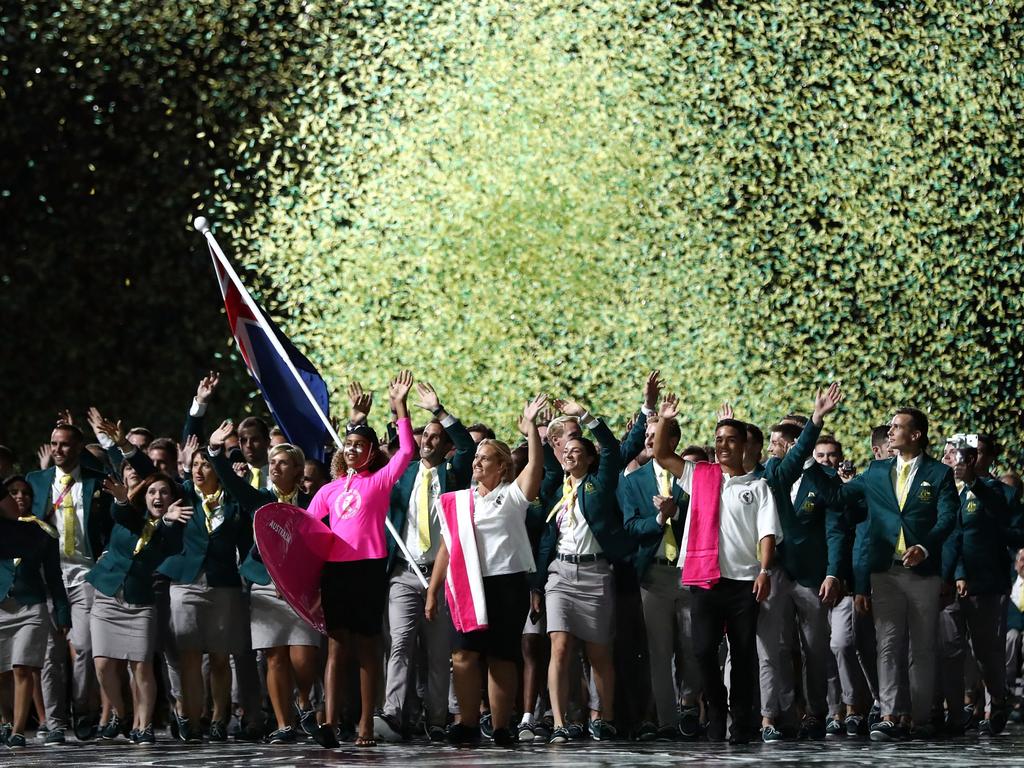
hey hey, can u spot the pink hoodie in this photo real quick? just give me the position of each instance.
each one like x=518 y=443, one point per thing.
x=358 y=503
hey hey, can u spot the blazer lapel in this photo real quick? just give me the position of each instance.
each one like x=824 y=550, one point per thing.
x=890 y=482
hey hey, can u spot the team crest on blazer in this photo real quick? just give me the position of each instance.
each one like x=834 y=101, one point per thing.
x=972 y=503
x=589 y=488
x=808 y=505
x=926 y=493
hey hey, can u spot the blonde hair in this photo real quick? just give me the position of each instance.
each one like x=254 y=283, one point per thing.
x=504 y=455
x=557 y=426
x=294 y=453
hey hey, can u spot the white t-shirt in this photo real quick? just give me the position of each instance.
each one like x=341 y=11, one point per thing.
x=501 y=538
x=747 y=514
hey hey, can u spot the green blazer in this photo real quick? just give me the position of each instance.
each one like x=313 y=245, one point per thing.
x=120 y=568
x=814 y=535
x=782 y=473
x=249 y=499
x=217 y=553
x=983 y=559
x=453 y=475
x=35 y=578
x=927 y=518
x=598 y=506
x=95 y=505
x=640 y=518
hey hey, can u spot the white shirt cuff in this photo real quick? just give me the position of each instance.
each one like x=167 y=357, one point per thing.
x=924 y=550
x=130 y=452
x=646 y=411
x=214 y=451
x=198 y=409
x=448 y=420
x=589 y=421
x=104 y=440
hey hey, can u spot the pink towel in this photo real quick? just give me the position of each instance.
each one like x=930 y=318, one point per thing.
x=700 y=568
x=464 y=584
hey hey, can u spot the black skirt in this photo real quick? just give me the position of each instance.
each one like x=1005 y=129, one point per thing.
x=508 y=602
x=354 y=595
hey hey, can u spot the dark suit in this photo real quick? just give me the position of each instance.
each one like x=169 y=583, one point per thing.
x=665 y=604
x=406 y=595
x=905 y=601
x=983 y=561
x=96 y=525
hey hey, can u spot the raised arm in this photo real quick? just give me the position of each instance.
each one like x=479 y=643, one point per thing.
x=249 y=499
x=465 y=448
x=789 y=469
x=398 y=392
x=529 y=479
x=194 y=419
x=663 y=452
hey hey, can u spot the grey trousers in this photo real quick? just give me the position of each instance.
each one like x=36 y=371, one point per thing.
x=858 y=676
x=666 y=607
x=406 y=601
x=1013 y=657
x=84 y=686
x=792 y=606
x=976 y=624
x=906 y=610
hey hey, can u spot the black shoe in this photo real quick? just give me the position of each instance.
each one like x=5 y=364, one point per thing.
x=247 y=733
x=856 y=725
x=739 y=735
x=715 y=730
x=886 y=730
x=218 y=731
x=145 y=737
x=997 y=720
x=187 y=733
x=646 y=731
x=486 y=726
x=85 y=729
x=689 y=723
x=326 y=737
x=435 y=733
x=604 y=730
x=924 y=732
x=560 y=735
x=874 y=715
x=811 y=728
x=387 y=728
x=5 y=731
x=114 y=728
x=15 y=741
x=769 y=734
x=284 y=735
x=463 y=735
x=504 y=737
x=576 y=731
x=666 y=733
x=55 y=738
x=307 y=721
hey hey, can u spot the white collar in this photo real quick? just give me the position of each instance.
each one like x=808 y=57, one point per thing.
x=913 y=463
x=75 y=473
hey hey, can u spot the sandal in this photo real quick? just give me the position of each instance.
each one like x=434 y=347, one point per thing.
x=366 y=741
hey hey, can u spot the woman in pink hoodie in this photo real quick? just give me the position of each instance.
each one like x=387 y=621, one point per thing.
x=353 y=588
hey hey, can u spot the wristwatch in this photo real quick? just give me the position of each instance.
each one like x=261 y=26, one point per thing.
x=766 y=571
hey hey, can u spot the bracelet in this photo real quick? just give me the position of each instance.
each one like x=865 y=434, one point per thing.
x=766 y=572
x=438 y=410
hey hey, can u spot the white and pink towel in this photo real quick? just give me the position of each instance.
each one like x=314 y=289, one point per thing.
x=464 y=584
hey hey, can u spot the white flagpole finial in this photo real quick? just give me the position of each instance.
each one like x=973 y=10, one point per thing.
x=201 y=224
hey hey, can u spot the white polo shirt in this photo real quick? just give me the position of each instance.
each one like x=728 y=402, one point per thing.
x=501 y=539
x=747 y=514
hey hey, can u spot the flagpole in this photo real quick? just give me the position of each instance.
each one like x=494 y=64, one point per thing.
x=202 y=226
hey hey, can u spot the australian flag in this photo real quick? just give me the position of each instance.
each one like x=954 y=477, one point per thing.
x=284 y=395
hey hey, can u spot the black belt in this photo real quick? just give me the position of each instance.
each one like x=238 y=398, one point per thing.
x=577 y=559
x=663 y=561
x=413 y=567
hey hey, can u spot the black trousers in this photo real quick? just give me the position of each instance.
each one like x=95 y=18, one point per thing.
x=729 y=606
